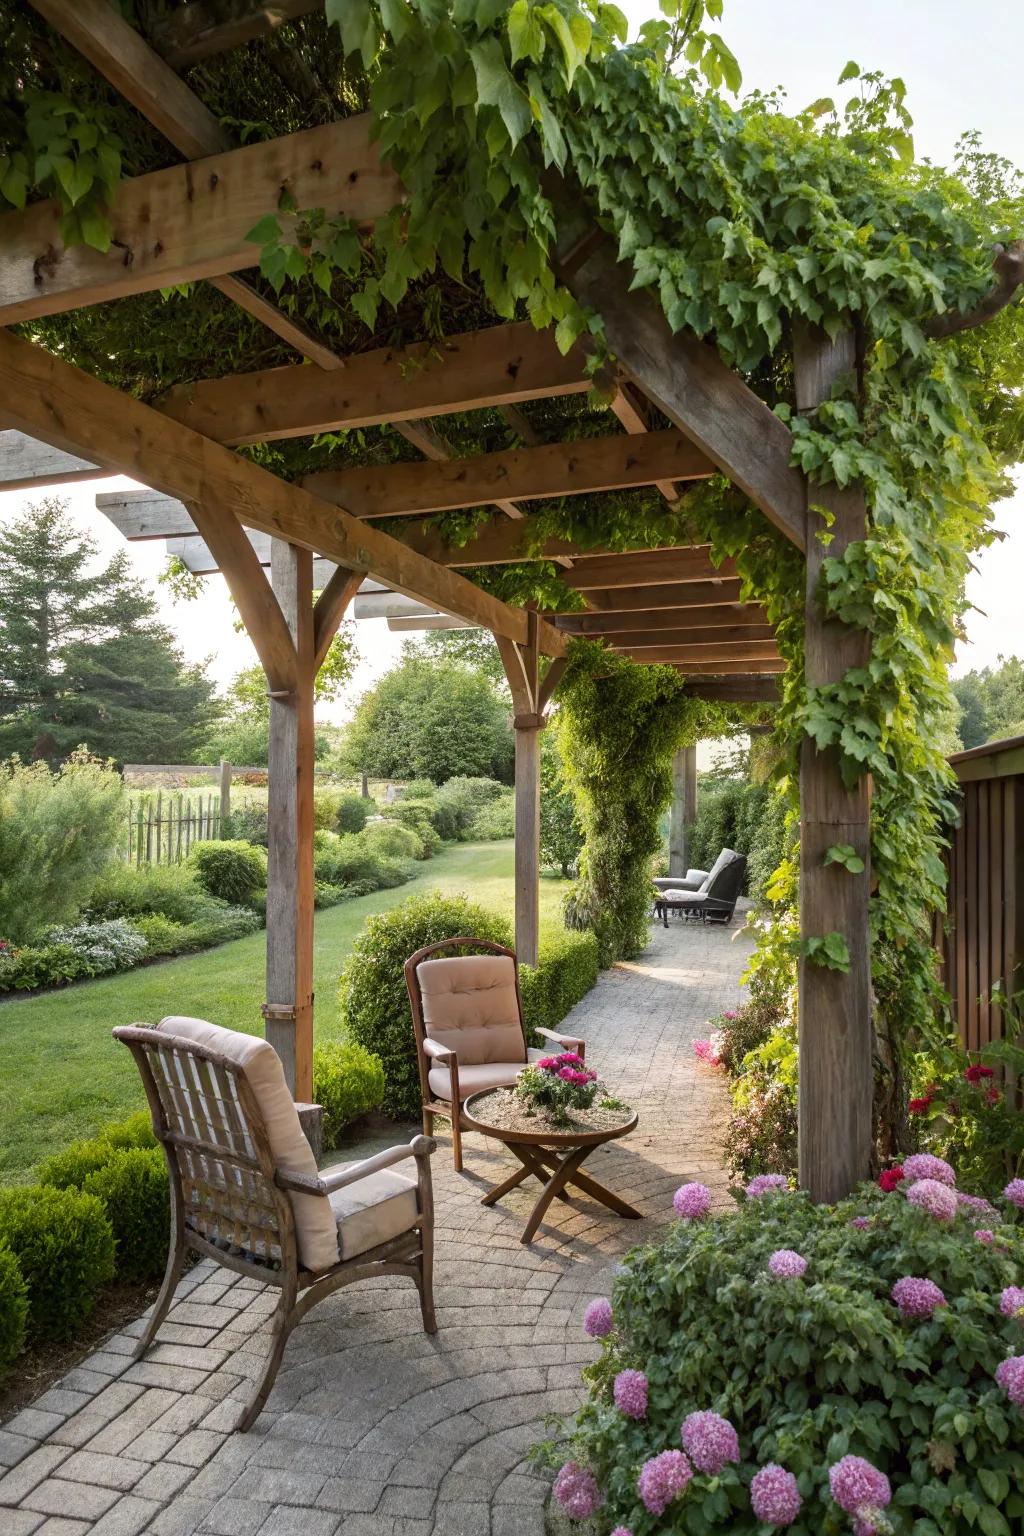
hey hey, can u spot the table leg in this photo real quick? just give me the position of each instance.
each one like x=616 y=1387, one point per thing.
x=597 y=1191
x=532 y=1164
x=567 y=1166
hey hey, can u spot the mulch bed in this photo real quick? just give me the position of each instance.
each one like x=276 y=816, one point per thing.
x=504 y=1108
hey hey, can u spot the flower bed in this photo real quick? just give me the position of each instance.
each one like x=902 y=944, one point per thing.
x=505 y=1108
x=786 y=1366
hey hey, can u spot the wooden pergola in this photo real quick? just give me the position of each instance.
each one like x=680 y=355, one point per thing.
x=678 y=414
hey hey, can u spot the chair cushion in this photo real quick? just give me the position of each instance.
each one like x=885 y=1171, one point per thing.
x=725 y=858
x=471 y=1006
x=315 y=1227
x=378 y=1208
x=493 y=1074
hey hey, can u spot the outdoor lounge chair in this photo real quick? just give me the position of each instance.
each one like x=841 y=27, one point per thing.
x=245 y=1188
x=714 y=898
x=467 y=1016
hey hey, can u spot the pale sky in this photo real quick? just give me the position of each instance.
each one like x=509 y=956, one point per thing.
x=961 y=66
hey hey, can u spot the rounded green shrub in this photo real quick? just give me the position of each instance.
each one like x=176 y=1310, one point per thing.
x=64 y=1245
x=374 y=1002
x=13 y=1310
x=132 y=1186
x=352 y=812
x=416 y=815
x=163 y=935
x=233 y=871
x=166 y=890
x=494 y=820
x=348 y=1081
x=391 y=840
x=812 y=1367
x=69 y=1168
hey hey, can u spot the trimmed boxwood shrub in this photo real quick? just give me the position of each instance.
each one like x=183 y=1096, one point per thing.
x=133 y=1188
x=64 y=1246
x=348 y=1081
x=352 y=813
x=13 y=1310
x=234 y=871
x=566 y=970
x=810 y=1368
x=374 y=1003
x=390 y=840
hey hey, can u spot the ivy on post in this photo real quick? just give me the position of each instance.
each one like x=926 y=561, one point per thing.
x=835 y=1035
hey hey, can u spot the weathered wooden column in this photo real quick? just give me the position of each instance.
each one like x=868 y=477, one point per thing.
x=288 y=1010
x=684 y=809
x=835 y=1032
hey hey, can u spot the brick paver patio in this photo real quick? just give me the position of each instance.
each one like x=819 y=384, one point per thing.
x=374 y=1429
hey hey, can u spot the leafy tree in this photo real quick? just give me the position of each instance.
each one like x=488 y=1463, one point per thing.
x=82 y=656
x=431 y=719
x=991 y=702
x=469 y=647
x=242 y=735
x=561 y=840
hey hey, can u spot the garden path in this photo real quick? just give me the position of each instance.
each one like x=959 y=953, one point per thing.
x=374 y=1429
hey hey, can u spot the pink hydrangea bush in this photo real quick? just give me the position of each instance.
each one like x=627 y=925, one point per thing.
x=786 y=1264
x=629 y=1391
x=707 y=1052
x=766 y=1184
x=598 y=1319
x=749 y=1408
x=577 y=1491
x=692 y=1201
x=922 y=1165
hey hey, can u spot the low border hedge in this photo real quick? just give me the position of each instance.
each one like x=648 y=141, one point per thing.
x=64 y=1245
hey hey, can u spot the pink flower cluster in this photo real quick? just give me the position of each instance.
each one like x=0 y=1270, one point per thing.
x=975 y=1203
x=787 y=1264
x=630 y=1394
x=861 y=1223
x=1014 y=1192
x=597 y=1319
x=917 y=1298
x=984 y=1235
x=661 y=1479
x=622 y=1530
x=705 y=1051
x=577 y=1491
x=922 y=1165
x=765 y=1183
x=774 y=1495
x=1010 y=1376
x=692 y=1201
x=569 y=1067
x=861 y=1490
x=1011 y=1302
x=710 y=1441
x=934 y=1197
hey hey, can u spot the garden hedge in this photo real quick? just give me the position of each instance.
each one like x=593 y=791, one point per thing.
x=233 y=870
x=566 y=970
x=13 y=1309
x=348 y=1081
x=64 y=1245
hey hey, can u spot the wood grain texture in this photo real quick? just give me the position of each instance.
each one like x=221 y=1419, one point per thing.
x=190 y=221
x=52 y=400
x=683 y=809
x=519 y=474
x=661 y=567
x=462 y=373
x=499 y=542
x=722 y=638
x=677 y=595
x=702 y=616
x=329 y=610
x=735 y=690
x=835 y=1025
x=712 y=650
x=695 y=389
x=26 y=464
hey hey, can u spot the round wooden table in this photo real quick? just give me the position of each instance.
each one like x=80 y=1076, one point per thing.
x=552 y=1156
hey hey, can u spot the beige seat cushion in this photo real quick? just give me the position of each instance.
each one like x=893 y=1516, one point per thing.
x=493 y=1074
x=471 y=1006
x=378 y=1208
x=315 y=1226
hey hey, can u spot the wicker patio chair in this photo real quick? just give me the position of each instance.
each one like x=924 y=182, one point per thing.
x=245 y=1190
x=467 y=1016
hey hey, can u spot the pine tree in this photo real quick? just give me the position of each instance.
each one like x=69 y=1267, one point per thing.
x=83 y=658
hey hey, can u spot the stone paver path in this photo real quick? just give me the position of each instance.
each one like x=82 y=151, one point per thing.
x=374 y=1429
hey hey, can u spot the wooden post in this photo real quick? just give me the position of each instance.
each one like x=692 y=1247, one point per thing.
x=288 y=1010
x=684 y=809
x=225 y=793
x=522 y=664
x=836 y=1073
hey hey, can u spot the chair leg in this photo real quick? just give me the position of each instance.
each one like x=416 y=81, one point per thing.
x=456 y=1139
x=172 y=1274
x=425 y=1281
x=428 y=1122
x=283 y=1321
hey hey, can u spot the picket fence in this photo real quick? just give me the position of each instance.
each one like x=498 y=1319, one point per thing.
x=161 y=830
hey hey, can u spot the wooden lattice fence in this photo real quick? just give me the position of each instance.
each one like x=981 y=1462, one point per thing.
x=162 y=828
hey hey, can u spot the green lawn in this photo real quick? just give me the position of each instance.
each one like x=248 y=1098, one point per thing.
x=61 y=1075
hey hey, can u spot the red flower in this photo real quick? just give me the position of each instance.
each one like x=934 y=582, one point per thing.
x=919 y=1106
x=993 y=1096
x=890 y=1177
x=974 y=1074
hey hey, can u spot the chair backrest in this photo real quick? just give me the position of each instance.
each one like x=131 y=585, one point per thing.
x=228 y=1123
x=722 y=863
x=468 y=1003
x=726 y=883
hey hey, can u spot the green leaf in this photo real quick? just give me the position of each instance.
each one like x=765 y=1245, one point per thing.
x=97 y=229
x=851 y=71
x=562 y=34
x=396 y=18
x=496 y=88
x=264 y=231
x=525 y=33
x=358 y=27
x=846 y=855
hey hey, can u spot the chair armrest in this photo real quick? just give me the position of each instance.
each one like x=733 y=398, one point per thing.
x=566 y=1040
x=420 y=1147
x=438 y=1051
x=299 y=1183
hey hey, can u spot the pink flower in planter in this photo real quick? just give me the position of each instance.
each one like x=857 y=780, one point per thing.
x=1011 y=1302
x=692 y=1201
x=546 y=1063
x=1014 y=1192
x=787 y=1264
x=774 y=1495
x=630 y=1394
x=1010 y=1376
x=935 y=1198
x=858 y=1487
x=577 y=1491
x=710 y=1441
x=922 y=1165
x=597 y=1319
x=766 y=1183
x=917 y=1298
x=661 y=1479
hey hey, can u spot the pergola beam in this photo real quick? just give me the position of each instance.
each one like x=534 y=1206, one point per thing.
x=640 y=640
x=708 y=650
x=190 y=221
x=519 y=474
x=735 y=690
x=26 y=464
x=52 y=400
x=492 y=367
x=696 y=616
x=678 y=595
x=193 y=32
x=647 y=568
